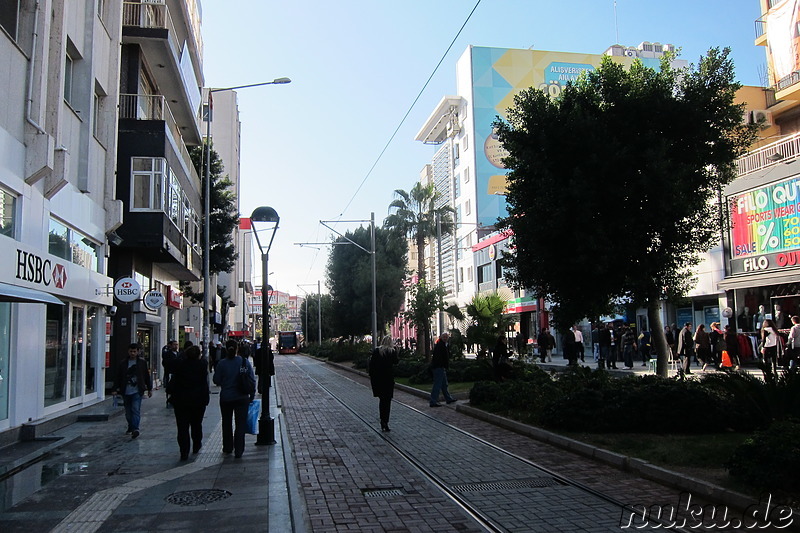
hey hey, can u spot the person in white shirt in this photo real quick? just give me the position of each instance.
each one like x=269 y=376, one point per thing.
x=769 y=346
x=578 y=343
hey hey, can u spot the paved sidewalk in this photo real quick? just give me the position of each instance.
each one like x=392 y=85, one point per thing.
x=102 y=480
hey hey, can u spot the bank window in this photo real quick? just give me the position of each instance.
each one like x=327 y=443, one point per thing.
x=147 y=183
x=72 y=245
x=8 y=212
x=9 y=16
x=55 y=354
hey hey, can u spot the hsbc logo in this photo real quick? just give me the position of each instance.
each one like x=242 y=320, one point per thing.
x=34 y=269
x=59 y=276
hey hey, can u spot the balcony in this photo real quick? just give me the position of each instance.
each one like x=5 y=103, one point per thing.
x=154 y=107
x=783 y=150
x=151 y=27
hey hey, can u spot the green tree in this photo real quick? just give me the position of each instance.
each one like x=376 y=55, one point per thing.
x=224 y=218
x=349 y=277
x=424 y=301
x=614 y=186
x=311 y=326
x=416 y=213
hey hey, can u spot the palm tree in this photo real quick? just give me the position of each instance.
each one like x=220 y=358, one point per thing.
x=416 y=213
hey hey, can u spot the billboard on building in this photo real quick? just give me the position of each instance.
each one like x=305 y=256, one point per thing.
x=783 y=41
x=499 y=74
x=765 y=223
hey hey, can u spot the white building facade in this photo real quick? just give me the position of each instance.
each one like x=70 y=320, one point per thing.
x=58 y=138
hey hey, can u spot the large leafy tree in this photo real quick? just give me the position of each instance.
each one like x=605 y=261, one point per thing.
x=419 y=214
x=311 y=315
x=349 y=278
x=224 y=217
x=614 y=186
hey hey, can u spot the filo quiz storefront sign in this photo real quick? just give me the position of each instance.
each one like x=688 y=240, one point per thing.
x=28 y=267
x=766 y=220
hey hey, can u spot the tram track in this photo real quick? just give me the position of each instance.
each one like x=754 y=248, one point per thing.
x=456 y=493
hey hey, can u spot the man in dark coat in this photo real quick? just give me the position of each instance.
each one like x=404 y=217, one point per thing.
x=132 y=381
x=168 y=354
x=440 y=361
x=189 y=394
x=686 y=348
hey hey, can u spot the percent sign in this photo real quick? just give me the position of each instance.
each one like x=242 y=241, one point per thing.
x=773 y=241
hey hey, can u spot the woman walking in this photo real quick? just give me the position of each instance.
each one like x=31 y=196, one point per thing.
x=769 y=346
x=381 y=376
x=189 y=396
x=233 y=402
x=702 y=346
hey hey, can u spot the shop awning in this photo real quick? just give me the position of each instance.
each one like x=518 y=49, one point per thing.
x=758 y=280
x=12 y=293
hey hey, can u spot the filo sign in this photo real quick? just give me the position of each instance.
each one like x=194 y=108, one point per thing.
x=35 y=269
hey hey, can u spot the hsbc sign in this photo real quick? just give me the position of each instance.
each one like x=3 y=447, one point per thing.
x=35 y=269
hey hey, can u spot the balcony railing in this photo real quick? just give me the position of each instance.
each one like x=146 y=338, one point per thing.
x=761 y=26
x=154 y=107
x=152 y=16
x=783 y=150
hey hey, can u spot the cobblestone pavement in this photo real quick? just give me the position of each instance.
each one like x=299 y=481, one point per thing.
x=340 y=457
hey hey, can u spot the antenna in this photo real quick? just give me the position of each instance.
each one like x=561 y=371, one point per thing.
x=616 y=22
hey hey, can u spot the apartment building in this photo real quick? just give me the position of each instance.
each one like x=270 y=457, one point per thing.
x=762 y=238
x=58 y=140
x=158 y=245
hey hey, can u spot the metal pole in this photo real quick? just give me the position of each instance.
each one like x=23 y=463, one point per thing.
x=207 y=235
x=319 y=313
x=244 y=303
x=374 y=288
x=266 y=424
x=439 y=261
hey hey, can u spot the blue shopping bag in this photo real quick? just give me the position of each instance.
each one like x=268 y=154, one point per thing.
x=252 y=417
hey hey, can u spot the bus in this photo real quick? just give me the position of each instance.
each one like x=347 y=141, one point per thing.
x=287 y=342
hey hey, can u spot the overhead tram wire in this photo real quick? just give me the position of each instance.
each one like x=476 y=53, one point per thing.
x=410 y=109
x=394 y=134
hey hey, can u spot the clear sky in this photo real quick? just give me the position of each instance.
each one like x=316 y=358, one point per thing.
x=356 y=67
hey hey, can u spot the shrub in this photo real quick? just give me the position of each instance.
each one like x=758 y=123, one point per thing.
x=770 y=459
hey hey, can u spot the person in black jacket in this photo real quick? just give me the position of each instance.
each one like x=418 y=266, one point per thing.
x=189 y=395
x=381 y=377
x=439 y=363
x=132 y=381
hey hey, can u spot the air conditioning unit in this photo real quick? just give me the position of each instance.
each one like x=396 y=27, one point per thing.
x=630 y=52
x=761 y=116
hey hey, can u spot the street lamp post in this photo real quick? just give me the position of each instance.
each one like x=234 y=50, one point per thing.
x=207 y=209
x=266 y=424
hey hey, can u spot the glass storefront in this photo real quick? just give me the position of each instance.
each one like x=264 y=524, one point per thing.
x=5 y=352
x=77 y=355
x=56 y=348
x=92 y=329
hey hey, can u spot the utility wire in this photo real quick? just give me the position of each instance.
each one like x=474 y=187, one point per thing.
x=409 y=109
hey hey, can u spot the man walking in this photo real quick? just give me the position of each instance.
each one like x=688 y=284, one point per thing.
x=439 y=363
x=686 y=348
x=168 y=356
x=132 y=380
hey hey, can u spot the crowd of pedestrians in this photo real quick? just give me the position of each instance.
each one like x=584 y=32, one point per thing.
x=187 y=378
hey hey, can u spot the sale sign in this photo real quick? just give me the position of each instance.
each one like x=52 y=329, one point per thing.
x=765 y=220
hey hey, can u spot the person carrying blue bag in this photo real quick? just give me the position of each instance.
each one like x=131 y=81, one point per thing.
x=233 y=399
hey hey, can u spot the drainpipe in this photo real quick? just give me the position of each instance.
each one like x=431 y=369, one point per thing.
x=29 y=101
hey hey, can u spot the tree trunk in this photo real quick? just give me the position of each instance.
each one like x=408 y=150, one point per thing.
x=657 y=335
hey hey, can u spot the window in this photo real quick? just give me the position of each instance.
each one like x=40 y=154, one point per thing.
x=147 y=187
x=465 y=142
x=72 y=246
x=55 y=354
x=8 y=211
x=457 y=186
x=469 y=274
x=69 y=66
x=467 y=208
x=9 y=17
x=5 y=356
x=101 y=8
x=466 y=175
x=455 y=153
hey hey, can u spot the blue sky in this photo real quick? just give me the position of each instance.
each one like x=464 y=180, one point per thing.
x=356 y=67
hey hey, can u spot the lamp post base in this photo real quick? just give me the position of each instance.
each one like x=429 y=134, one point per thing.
x=266 y=431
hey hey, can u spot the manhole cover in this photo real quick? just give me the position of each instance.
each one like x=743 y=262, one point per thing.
x=382 y=493
x=197 y=497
